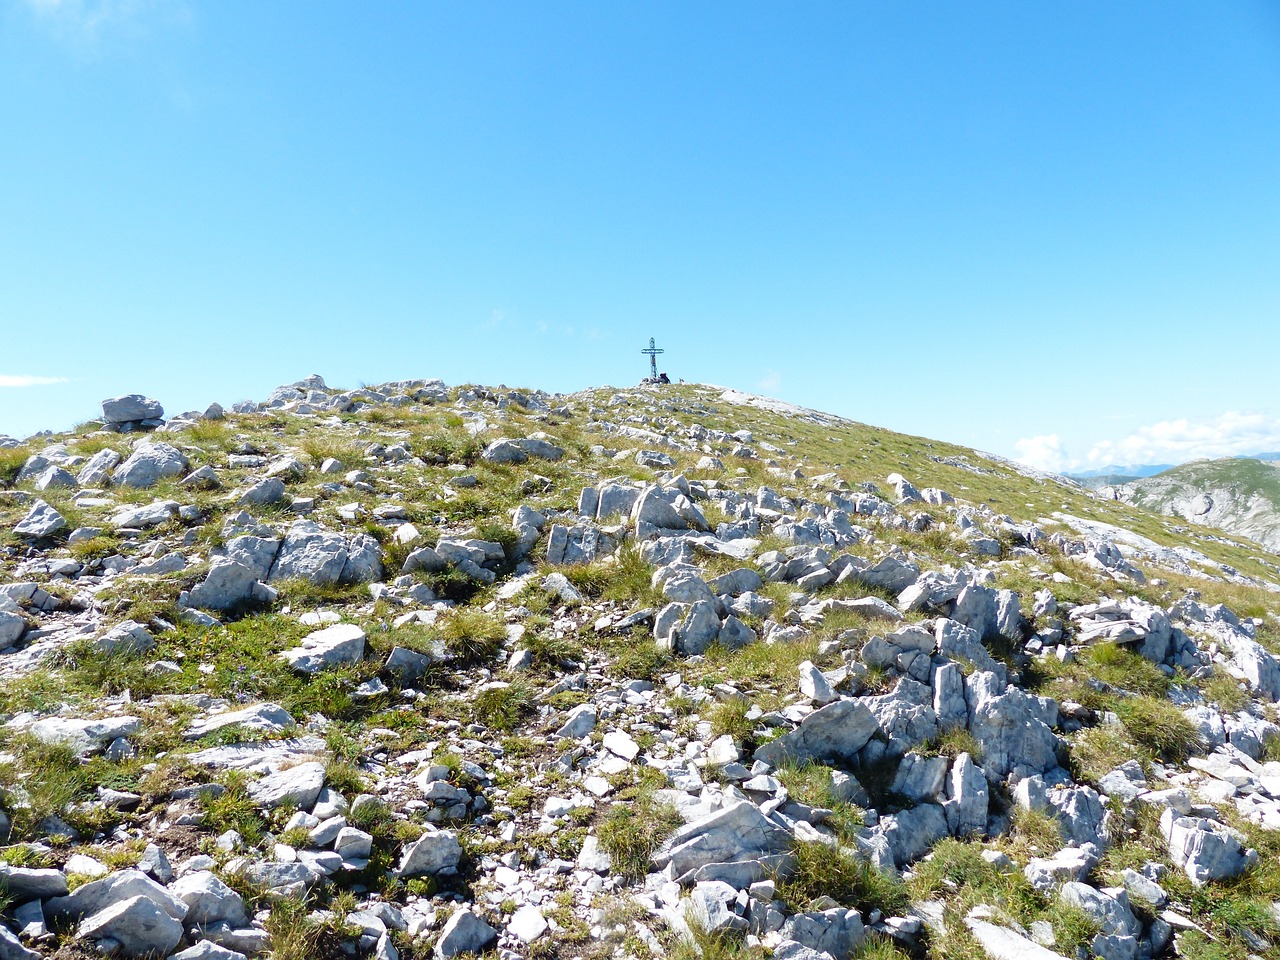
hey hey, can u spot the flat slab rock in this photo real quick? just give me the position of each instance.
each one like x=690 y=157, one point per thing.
x=84 y=736
x=270 y=757
x=264 y=717
x=330 y=647
x=1001 y=943
x=299 y=785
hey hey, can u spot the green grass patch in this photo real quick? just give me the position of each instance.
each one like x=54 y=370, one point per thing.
x=827 y=870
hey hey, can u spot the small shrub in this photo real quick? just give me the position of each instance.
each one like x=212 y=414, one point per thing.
x=472 y=636
x=631 y=832
x=639 y=658
x=730 y=717
x=1072 y=928
x=1225 y=691
x=1120 y=667
x=503 y=707
x=1159 y=726
x=951 y=743
x=11 y=461
x=824 y=870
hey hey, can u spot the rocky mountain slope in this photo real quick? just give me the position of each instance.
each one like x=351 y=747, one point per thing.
x=417 y=671
x=1238 y=495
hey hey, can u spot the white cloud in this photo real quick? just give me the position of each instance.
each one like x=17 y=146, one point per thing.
x=1176 y=441
x=770 y=381
x=1044 y=453
x=84 y=23
x=25 y=380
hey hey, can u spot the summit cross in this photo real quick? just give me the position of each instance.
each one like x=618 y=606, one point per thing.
x=652 y=354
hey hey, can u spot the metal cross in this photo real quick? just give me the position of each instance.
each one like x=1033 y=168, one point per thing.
x=652 y=354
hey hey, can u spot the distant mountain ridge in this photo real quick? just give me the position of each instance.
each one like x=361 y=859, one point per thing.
x=1134 y=470
x=1240 y=495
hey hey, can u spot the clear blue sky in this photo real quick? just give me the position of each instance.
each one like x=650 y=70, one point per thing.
x=1030 y=228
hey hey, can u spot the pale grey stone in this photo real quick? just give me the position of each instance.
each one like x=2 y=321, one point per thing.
x=263 y=493
x=1112 y=915
x=208 y=950
x=41 y=521
x=209 y=900
x=298 y=785
x=364 y=560
x=687 y=629
x=27 y=883
x=920 y=778
x=1081 y=813
x=97 y=895
x=580 y=722
x=227 y=585
x=140 y=927
x=55 y=478
x=11 y=947
x=710 y=905
x=967 y=799
x=425 y=559
x=1144 y=888
x=340 y=644
x=312 y=553
x=654 y=510
x=84 y=736
x=1069 y=863
x=149 y=463
x=1001 y=943
x=145 y=516
x=837 y=932
x=814 y=685
x=269 y=718
x=1014 y=737
x=12 y=626
x=436 y=851
x=734 y=634
x=911 y=833
x=97 y=469
x=527 y=924
x=131 y=408
x=591 y=857
x=464 y=932
x=127 y=636
x=738 y=831
x=948 y=697
x=1204 y=849
x=736 y=582
x=833 y=734
x=353 y=844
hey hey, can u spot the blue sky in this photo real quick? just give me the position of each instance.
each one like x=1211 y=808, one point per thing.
x=1051 y=232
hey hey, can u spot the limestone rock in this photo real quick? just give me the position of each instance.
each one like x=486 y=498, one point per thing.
x=84 y=736
x=298 y=785
x=464 y=932
x=228 y=584
x=330 y=647
x=140 y=927
x=833 y=734
x=312 y=553
x=1205 y=849
x=436 y=851
x=149 y=463
x=131 y=408
x=126 y=637
x=41 y=521
x=209 y=900
x=266 y=718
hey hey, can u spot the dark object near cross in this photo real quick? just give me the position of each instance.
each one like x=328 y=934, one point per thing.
x=652 y=354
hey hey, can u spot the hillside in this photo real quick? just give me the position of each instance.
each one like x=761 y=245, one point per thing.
x=1238 y=495
x=418 y=671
